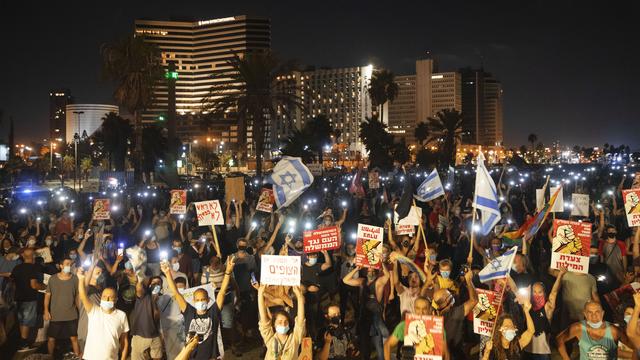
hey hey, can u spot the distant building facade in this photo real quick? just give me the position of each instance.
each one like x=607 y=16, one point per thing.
x=85 y=118
x=58 y=101
x=482 y=107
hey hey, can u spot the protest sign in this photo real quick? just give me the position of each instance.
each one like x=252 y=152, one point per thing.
x=234 y=189
x=265 y=201
x=280 y=270
x=558 y=206
x=486 y=311
x=315 y=169
x=539 y=199
x=621 y=297
x=45 y=254
x=101 y=209
x=178 y=204
x=209 y=213
x=374 y=180
x=632 y=206
x=580 y=204
x=369 y=246
x=570 y=245
x=405 y=229
x=413 y=218
x=323 y=239
x=425 y=333
x=306 y=349
x=187 y=294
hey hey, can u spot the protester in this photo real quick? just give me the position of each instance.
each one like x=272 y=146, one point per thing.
x=60 y=307
x=281 y=334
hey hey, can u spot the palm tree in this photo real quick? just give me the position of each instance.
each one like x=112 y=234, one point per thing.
x=85 y=167
x=114 y=136
x=298 y=145
x=254 y=95
x=532 y=138
x=446 y=127
x=154 y=146
x=68 y=164
x=378 y=143
x=134 y=65
x=382 y=88
x=320 y=131
x=421 y=132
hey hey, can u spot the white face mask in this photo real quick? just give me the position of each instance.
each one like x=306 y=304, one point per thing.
x=31 y=242
x=106 y=305
x=48 y=242
x=175 y=266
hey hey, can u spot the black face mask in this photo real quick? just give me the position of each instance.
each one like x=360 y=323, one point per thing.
x=242 y=248
x=611 y=235
x=405 y=243
x=334 y=320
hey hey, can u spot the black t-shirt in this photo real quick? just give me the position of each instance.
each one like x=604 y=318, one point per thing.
x=310 y=274
x=145 y=317
x=341 y=339
x=454 y=326
x=22 y=275
x=522 y=280
x=206 y=325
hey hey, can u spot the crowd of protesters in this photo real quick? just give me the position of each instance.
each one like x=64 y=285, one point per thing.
x=90 y=299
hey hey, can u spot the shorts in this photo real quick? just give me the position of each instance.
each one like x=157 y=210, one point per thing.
x=140 y=344
x=27 y=313
x=63 y=329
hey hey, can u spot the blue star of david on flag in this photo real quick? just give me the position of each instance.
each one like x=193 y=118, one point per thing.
x=290 y=178
x=498 y=267
x=486 y=198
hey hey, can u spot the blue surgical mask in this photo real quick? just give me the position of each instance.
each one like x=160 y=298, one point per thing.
x=627 y=318
x=178 y=249
x=201 y=305
x=73 y=256
x=66 y=269
x=445 y=274
x=106 y=305
x=312 y=260
x=509 y=334
x=282 y=330
x=432 y=258
x=596 y=325
x=128 y=265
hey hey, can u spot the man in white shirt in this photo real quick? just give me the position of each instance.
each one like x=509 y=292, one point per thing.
x=107 y=325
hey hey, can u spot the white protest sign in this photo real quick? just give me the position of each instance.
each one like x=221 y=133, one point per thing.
x=413 y=218
x=539 y=199
x=580 y=204
x=187 y=294
x=209 y=213
x=280 y=270
x=558 y=206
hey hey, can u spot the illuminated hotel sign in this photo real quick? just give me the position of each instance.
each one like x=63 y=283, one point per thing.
x=215 y=21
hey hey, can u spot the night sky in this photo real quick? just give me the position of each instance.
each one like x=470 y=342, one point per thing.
x=570 y=72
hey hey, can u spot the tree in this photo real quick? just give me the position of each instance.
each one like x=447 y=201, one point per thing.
x=68 y=164
x=134 y=65
x=421 y=132
x=382 y=88
x=378 y=143
x=298 y=145
x=320 y=131
x=86 y=164
x=153 y=149
x=532 y=138
x=446 y=128
x=205 y=157
x=253 y=95
x=114 y=137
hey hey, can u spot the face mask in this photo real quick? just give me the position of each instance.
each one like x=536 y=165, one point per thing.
x=106 y=305
x=66 y=269
x=31 y=242
x=627 y=318
x=178 y=250
x=538 y=302
x=596 y=325
x=201 y=305
x=48 y=242
x=312 y=260
x=327 y=222
x=495 y=247
x=175 y=266
x=80 y=237
x=334 y=320
x=100 y=279
x=128 y=265
x=432 y=258
x=242 y=248
x=593 y=259
x=73 y=256
x=611 y=235
x=445 y=274
x=405 y=243
x=16 y=257
x=229 y=226
x=155 y=290
x=509 y=334
x=351 y=252
x=282 y=330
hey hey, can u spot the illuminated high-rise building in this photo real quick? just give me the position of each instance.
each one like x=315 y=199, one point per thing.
x=58 y=101
x=481 y=107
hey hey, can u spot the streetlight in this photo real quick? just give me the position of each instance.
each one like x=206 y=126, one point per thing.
x=76 y=139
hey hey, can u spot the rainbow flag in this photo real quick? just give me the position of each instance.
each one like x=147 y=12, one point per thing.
x=531 y=227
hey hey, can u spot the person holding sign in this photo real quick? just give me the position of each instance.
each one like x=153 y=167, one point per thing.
x=202 y=320
x=281 y=341
x=505 y=343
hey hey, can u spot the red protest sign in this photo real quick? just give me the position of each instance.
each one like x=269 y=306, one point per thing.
x=369 y=246
x=101 y=209
x=209 y=213
x=178 y=204
x=485 y=312
x=323 y=239
x=424 y=333
x=266 y=200
x=570 y=245
x=631 y=199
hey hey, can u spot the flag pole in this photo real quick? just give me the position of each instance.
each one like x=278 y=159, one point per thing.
x=424 y=238
x=499 y=308
x=215 y=239
x=473 y=234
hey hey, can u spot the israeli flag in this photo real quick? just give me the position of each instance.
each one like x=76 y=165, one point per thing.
x=430 y=188
x=498 y=267
x=486 y=198
x=290 y=178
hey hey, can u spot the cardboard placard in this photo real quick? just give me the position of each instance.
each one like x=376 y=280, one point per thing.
x=234 y=189
x=187 y=294
x=425 y=333
x=539 y=199
x=486 y=311
x=570 y=245
x=580 y=204
x=374 y=180
x=369 y=246
x=265 y=201
x=280 y=270
x=101 y=209
x=636 y=181
x=45 y=254
x=558 y=206
x=631 y=199
x=323 y=239
x=413 y=218
x=405 y=229
x=178 y=203
x=209 y=213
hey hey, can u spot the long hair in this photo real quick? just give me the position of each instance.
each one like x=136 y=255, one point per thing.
x=498 y=350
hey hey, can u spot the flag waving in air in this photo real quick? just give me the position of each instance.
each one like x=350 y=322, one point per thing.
x=498 y=267
x=430 y=188
x=290 y=179
x=486 y=197
x=531 y=226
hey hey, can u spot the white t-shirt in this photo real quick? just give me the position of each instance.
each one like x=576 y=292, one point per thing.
x=407 y=299
x=103 y=337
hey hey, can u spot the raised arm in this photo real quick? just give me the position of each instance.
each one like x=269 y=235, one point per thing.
x=262 y=308
x=342 y=218
x=349 y=280
x=526 y=336
x=82 y=292
x=327 y=261
x=473 y=296
x=632 y=330
x=550 y=306
x=231 y=262
x=83 y=255
x=390 y=235
x=182 y=303
x=297 y=290
x=274 y=234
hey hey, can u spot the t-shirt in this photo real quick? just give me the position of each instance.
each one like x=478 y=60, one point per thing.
x=62 y=306
x=407 y=299
x=612 y=254
x=242 y=272
x=6 y=266
x=454 y=326
x=22 y=275
x=576 y=291
x=205 y=325
x=310 y=274
x=341 y=339
x=398 y=332
x=145 y=318
x=103 y=337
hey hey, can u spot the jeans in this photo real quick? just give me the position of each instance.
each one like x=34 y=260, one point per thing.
x=379 y=334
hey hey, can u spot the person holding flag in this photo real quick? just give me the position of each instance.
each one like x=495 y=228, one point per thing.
x=485 y=199
x=290 y=179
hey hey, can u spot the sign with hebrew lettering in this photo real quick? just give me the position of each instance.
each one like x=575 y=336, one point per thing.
x=369 y=246
x=280 y=270
x=570 y=245
x=323 y=239
x=486 y=311
x=631 y=199
x=424 y=333
x=209 y=213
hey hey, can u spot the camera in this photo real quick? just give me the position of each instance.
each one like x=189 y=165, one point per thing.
x=464 y=269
